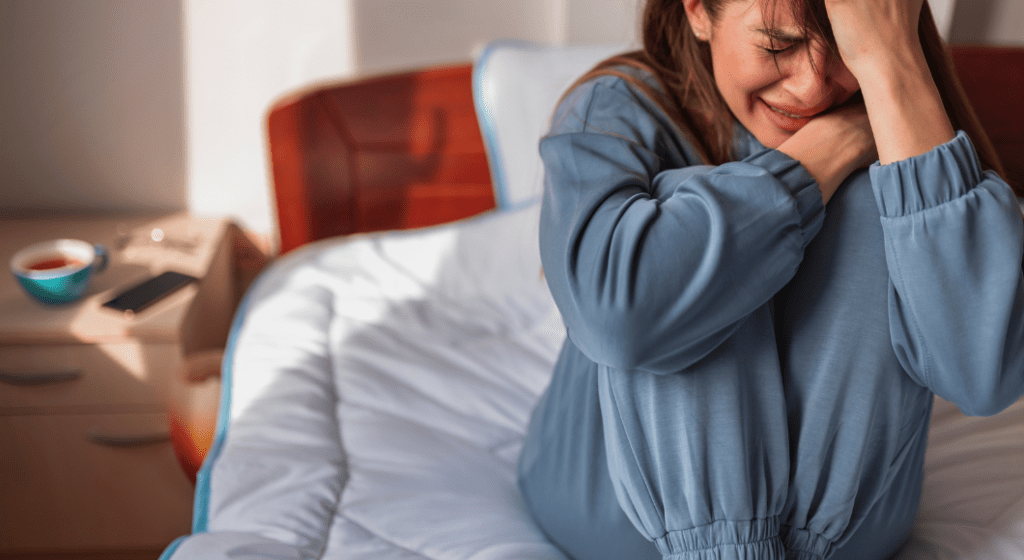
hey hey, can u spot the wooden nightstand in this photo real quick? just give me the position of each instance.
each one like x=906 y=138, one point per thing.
x=86 y=466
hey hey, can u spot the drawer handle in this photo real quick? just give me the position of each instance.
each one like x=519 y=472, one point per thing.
x=39 y=378
x=132 y=440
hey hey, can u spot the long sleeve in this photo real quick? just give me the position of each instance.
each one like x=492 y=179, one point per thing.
x=653 y=261
x=953 y=243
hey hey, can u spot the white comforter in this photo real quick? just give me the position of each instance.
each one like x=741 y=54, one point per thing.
x=378 y=389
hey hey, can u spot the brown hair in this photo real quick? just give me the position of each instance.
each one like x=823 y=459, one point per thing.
x=681 y=64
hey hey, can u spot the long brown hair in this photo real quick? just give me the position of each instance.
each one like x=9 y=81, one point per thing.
x=681 y=64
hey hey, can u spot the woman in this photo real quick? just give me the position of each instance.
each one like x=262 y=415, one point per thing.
x=748 y=373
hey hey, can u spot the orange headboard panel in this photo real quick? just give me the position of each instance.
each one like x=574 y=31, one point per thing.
x=382 y=153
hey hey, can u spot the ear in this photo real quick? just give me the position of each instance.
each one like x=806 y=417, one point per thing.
x=698 y=18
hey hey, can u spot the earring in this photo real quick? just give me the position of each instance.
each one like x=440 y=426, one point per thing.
x=697 y=33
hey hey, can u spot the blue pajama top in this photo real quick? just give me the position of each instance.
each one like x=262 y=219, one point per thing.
x=749 y=374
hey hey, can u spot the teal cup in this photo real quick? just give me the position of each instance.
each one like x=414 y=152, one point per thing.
x=57 y=272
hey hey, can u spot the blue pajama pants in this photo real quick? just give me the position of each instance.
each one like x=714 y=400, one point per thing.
x=573 y=498
x=799 y=437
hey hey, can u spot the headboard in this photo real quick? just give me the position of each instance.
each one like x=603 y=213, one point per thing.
x=405 y=150
x=388 y=152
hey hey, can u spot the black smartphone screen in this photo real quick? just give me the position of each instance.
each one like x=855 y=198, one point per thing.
x=143 y=295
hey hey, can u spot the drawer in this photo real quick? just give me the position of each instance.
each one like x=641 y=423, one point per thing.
x=50 y=377
x=90 y=482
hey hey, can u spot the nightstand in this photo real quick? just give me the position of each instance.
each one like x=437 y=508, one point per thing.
x=86 y=466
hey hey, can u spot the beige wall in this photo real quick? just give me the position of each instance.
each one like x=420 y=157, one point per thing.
x=942 y=10
x=394 y=35
x=90 y=104
x=989 y=22
x=240 y=56
x=600 y=21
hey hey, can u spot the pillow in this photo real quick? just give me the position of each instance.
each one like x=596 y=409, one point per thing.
x=516 y=85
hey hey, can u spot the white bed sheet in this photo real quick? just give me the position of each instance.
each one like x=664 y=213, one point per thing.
x=380 y=387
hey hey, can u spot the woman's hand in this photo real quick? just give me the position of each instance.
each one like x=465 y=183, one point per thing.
x=878 y=41
x=834 y=145
x=876 y=35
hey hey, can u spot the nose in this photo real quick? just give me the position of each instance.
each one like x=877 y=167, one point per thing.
x=813 y=79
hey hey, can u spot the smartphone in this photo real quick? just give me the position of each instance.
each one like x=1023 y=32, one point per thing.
x=141 y=296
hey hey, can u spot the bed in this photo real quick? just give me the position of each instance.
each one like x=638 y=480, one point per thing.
x=376 y=386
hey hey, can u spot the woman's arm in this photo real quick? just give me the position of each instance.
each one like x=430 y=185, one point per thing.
x=953 y=233
x=878 y=41
x=832 y=146
x=953 y=244
x=653 y=266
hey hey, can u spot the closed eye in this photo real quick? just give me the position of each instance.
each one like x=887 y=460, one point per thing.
x=777 y=37
x=777 y=51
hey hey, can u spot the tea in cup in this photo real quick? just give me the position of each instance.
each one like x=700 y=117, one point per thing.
x=58 y=271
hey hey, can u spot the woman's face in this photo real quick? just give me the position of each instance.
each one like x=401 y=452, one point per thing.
x=773 y=96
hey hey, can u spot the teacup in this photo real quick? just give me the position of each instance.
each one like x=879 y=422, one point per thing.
x=57 y=272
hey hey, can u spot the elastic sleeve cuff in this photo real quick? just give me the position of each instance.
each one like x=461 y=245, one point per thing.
x=945 y=173
x=801 y=186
